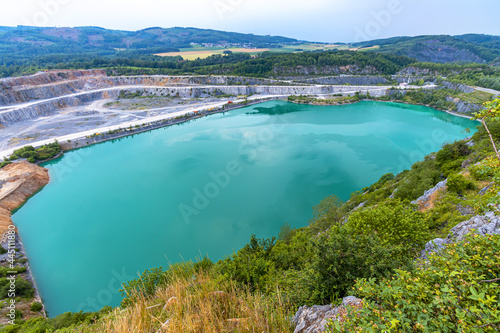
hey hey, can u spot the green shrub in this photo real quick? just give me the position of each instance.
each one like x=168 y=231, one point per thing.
x=146 y=284
x=36 y=307
x=2 y=164
x=251 y=265
x=395 y=222
x=488 y=169
x=422 y=176
x=457 y=183
x=455 y=291
x=343 y=257
x=2 y=250
x=23 y=288
x=18 y=270
x=451 y=166
x=327 y=213
x=452 y=152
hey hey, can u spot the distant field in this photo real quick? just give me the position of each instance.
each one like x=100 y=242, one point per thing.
x=205 y=52
x=188 y=55
x=202 y=52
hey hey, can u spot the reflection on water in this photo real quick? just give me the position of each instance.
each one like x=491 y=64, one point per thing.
x=202 y=188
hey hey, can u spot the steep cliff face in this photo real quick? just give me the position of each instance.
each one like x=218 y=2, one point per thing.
x=352 y=80
x=46 y=85
x=464 y=107
x=18 y=181
x=324 y=70
x=50 y=77
x=57 y=84
x=51 y=106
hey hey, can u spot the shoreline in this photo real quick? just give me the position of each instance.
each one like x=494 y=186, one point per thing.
x=399 y=102
x=103 y=134
x=22 y=180
x=148 y=126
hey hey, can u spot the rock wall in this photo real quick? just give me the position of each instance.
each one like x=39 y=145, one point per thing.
x=50 y=77
x=45 y=85
x=487 y=224
x=464 y=107
x=352 y=80
x=47 y=108
x=325 y=70
x=56 y=84
x=457 y=86
x=18 y=181
x=50 y=107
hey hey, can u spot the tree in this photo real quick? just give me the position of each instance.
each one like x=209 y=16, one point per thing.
x=491 y=110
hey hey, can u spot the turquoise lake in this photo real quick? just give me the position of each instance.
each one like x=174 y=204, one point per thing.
x=202 y=188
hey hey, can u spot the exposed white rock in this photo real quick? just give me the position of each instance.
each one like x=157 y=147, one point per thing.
x=315 y=318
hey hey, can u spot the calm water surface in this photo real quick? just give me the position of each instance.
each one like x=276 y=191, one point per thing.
x=202 y=188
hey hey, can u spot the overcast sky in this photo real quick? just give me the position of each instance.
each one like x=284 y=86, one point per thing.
x=313 y=20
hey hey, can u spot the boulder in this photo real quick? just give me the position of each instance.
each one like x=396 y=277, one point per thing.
x=487 y=224
x=315 y=318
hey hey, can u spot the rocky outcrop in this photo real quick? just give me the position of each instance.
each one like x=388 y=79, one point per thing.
x=464 y=107
x=18 y=181
x=325 y=70
x=414 y=71
x=483 y=225
x=51 y=106
x=457 y=86
x=315 y=318
x=346 y=79
x=425 y=202
x=56 y=84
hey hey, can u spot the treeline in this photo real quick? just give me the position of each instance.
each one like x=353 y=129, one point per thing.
x=460 y=48
x=266 y=65
x=470 y=74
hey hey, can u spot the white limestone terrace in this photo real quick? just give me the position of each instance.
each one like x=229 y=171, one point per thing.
x=89 y=103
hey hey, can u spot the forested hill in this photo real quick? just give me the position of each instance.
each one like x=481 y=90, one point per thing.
x=441 y=48
x=29 y=41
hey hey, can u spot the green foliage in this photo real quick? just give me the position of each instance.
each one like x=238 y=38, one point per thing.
x=23 y=288
x=451 y=156
x=384 y=179
x=251 y=265
x=4 y=270
x=455 y=291
x=488 y=169
x=2 y=250
x=396 y=223
x=39 y=154
x=145 y=284
x=459 y=184
x=428 y=48
x=344 y=257
x=2 y=164
x=422 y=176
x=328 y=212
x=36 y=307
x=66 y=322
x=491 y=111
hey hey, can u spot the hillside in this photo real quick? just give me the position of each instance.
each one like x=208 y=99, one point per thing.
x=441 y=48
x=31 y=41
